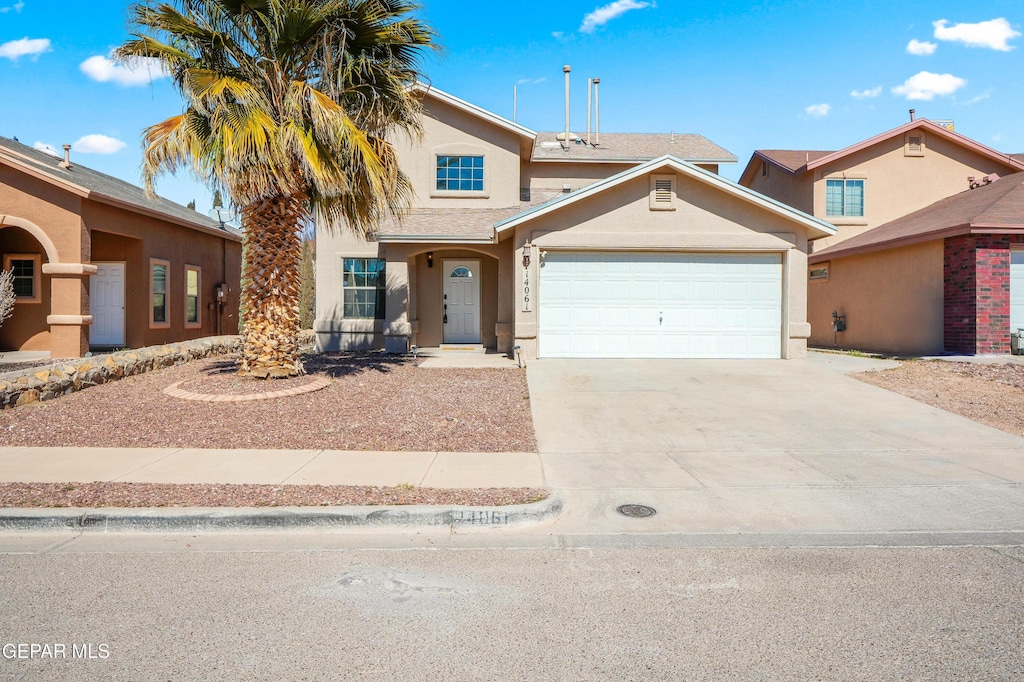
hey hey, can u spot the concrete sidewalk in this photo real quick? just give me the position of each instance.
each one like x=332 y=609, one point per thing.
x=278 y=467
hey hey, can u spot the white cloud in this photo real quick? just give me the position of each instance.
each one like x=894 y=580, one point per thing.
x=98 y=144
x=530 y=81
x=17 y=7
x=818 y=110
x=141 y=71
x=558 y=35
x=26 y=46
x=48 y=148
x=602 y=15
x=863 y=94
x=926 y=85
x=979 y=98
x=992 y=34
x=922 y=49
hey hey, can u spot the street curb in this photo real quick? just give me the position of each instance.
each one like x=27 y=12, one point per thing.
x=278 y=518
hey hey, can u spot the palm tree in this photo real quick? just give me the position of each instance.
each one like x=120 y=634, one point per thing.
x=288 y=108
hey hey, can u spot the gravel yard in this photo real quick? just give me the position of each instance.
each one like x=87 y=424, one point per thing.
x=990 y=394
x=134 y=495
x=374 y=402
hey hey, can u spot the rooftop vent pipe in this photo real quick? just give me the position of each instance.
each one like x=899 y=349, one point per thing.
x=566 y=69
x=912 y=113
x=590 y=110
x=66 y=163
x=597 y=114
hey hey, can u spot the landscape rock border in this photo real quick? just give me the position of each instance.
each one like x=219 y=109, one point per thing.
x=63 y=377
x=180 y=393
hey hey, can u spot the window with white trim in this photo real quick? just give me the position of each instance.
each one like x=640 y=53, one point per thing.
x=844 y=198
x=460 y=173
x=27 y=281
x=363 y=289
x=193 y=284
x=159 y=273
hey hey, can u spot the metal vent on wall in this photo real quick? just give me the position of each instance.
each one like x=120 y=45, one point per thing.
x=663 y=191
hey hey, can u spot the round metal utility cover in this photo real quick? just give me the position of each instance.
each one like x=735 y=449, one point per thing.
x=637 y=511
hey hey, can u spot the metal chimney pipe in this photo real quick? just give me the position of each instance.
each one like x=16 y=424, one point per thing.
x=912 y=112
x=597 y=113
x=566 y=69
x=590 y=89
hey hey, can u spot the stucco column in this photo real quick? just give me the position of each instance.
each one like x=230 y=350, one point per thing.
x=504 y=328
x=69 y=316
x=525 y=311
x=397 y=330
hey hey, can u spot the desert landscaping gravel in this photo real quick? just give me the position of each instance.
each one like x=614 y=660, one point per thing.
x=990 y=394
x=374 y=402
x=134 y=495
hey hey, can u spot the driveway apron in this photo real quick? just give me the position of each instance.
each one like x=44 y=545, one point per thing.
x=771 y=446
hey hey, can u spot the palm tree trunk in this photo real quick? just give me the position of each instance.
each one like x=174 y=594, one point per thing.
x=270 y=321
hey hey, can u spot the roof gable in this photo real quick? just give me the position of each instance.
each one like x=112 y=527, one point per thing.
x=100 y=187
x=931 y=128
x=818 y=228
x=473 y=110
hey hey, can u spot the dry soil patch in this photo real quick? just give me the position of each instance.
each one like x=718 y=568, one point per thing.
x=990 y=394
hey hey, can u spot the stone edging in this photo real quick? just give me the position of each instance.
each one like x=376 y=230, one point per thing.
x=63 y=377
x=315 y=385
x=232 y=519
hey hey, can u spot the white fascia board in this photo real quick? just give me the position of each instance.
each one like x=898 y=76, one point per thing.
x=815 y=224
x=474 y=110
x=626 y=159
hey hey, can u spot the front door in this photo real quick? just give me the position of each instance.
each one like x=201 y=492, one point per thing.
x=106 y=305
x=461 y=301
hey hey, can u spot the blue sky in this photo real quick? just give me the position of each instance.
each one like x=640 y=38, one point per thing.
x=768 y=74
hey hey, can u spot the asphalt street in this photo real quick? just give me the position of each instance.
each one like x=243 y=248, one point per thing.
x=184 y=613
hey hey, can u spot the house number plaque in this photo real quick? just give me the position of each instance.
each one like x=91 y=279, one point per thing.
x=526 y=290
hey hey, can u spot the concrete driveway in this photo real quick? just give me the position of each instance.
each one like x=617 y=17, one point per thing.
x=765 y=446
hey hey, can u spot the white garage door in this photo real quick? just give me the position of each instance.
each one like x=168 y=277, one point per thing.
x=660 y=305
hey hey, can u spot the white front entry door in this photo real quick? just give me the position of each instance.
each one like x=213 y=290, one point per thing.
x=106 y=305
x=1016 y=290
x=660 y=305
x=461 y=301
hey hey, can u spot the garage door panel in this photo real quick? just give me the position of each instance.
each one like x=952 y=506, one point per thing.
x=660 y=305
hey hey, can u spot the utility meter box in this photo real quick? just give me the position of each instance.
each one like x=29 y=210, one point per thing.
x=1017 y=342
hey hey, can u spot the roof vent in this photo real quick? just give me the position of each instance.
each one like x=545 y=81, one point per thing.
x=662 y=197
x=66 y=163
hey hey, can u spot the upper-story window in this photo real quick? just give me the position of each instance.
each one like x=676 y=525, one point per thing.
x=844 y=198
x=460 y=174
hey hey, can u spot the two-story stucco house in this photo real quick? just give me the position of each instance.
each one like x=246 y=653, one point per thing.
x=877 y=180
x=630 y=245
x=916 y=267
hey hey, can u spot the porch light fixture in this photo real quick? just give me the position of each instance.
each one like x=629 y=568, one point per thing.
x=526 y=254
x=430 y=259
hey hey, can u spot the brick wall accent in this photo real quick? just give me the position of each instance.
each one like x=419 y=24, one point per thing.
x=976 y=293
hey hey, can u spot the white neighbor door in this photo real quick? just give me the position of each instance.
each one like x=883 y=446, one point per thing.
x=461 y=301
x=660 y=305
x=1016 y=290
x=106 y=305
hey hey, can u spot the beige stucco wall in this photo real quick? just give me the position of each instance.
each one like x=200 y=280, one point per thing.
x=704 y=219
x=892 y=301
x=450 y=131
x=549 y=177
x=783 y=186
x=897 y=184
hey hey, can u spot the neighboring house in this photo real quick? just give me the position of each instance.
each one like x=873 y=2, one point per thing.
x=946 y=278
x=631 y=246
x=98 y=264
x=878 y=180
